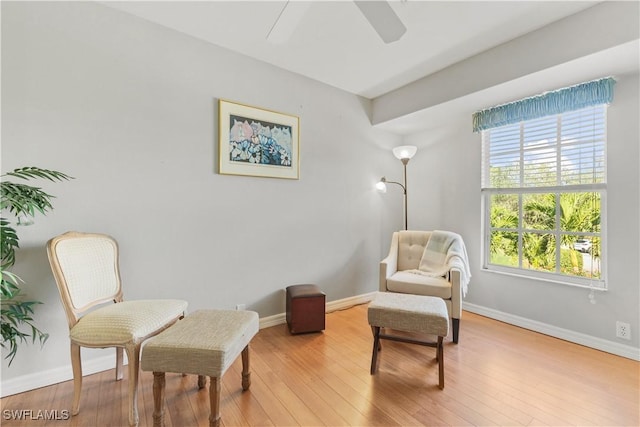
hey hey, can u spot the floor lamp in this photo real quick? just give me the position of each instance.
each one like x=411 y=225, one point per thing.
x=403 y=153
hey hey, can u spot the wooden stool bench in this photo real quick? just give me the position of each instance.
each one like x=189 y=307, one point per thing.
x=206 y=342
x=410 y=313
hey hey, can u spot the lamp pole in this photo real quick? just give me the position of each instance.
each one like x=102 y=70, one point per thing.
x=404 y=190
x=384 y=181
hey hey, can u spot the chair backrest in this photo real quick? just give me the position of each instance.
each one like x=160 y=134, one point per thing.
x=411 y=246
x=85 y=266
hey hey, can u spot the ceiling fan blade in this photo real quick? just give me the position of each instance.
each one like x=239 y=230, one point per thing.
x=383 y=19
x=287 y=21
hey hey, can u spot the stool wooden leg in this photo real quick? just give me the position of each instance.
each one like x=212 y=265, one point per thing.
x=246 y=369
x=214 y=401
x=373 y=331
x=440 y=354
x=376 y=347
x=158 y=399
x=202 y=381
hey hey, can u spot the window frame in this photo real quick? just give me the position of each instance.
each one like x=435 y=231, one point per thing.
x=522 y=190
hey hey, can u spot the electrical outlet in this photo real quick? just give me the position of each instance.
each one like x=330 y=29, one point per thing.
x=240 y=307
x=623 y=330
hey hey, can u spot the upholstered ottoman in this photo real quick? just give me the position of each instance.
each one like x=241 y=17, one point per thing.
x=410 y=313
x=206 y=342
x=305 y=309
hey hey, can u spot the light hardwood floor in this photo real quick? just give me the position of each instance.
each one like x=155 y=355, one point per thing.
x=497 y=375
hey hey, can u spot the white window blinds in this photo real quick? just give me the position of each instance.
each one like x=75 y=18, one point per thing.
x=567 y=149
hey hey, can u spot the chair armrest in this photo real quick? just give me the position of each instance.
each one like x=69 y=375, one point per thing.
x=389 y=265
x=456 y=293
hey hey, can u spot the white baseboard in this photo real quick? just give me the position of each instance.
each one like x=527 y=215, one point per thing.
x=279 y=319
x=349 y=302
x=575 y=337
x=56 y=375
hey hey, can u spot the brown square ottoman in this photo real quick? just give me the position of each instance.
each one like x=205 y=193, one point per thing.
x=305 y=309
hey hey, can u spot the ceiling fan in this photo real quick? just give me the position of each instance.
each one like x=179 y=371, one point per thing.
x=379 y=14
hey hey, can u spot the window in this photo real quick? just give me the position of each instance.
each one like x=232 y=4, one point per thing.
x=544 y=192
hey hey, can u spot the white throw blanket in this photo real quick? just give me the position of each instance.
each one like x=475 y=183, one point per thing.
x=445 y=250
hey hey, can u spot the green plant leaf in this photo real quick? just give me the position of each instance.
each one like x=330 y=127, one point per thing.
x=9 y=287
x=19 y=199
x=22 y=199
x=8 y=243
x=31 y=172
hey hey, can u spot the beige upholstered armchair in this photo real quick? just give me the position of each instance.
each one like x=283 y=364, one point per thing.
x=86 y=270
x=399 y=272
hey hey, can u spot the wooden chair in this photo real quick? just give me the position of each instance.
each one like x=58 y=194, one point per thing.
x=85 y=267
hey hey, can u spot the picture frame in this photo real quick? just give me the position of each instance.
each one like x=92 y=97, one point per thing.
x=257 y=142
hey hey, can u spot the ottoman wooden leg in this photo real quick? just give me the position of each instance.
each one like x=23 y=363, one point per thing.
x=158 y=399
x=440 y=354
x=246 y=369
x=214 y=401
x=376 y=347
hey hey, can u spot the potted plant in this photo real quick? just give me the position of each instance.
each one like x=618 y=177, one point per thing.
x=22 y=202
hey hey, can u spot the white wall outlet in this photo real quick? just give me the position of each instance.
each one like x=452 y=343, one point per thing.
x=241 y=307
x=623 y=330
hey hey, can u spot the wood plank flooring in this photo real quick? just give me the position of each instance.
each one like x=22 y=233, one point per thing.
x=497 y=375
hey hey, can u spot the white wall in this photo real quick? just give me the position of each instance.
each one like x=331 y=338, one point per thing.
x=130 y=109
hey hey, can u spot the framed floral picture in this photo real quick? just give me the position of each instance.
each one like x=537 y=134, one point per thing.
x=257 y=142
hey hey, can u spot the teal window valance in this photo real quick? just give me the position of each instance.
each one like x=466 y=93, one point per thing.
x=549 y=103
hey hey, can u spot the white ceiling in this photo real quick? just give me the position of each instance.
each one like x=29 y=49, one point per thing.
x=334 y=44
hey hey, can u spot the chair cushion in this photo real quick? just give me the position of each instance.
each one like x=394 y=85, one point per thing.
x=419 y=284
x=413 y=313
x=411 y=246
x=126 y=322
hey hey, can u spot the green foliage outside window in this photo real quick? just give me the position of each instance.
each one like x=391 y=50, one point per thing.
x=579 y=212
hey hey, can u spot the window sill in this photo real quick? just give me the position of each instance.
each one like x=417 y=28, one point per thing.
x=597 y=285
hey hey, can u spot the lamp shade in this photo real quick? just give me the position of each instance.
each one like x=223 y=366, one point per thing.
x=405 y=151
